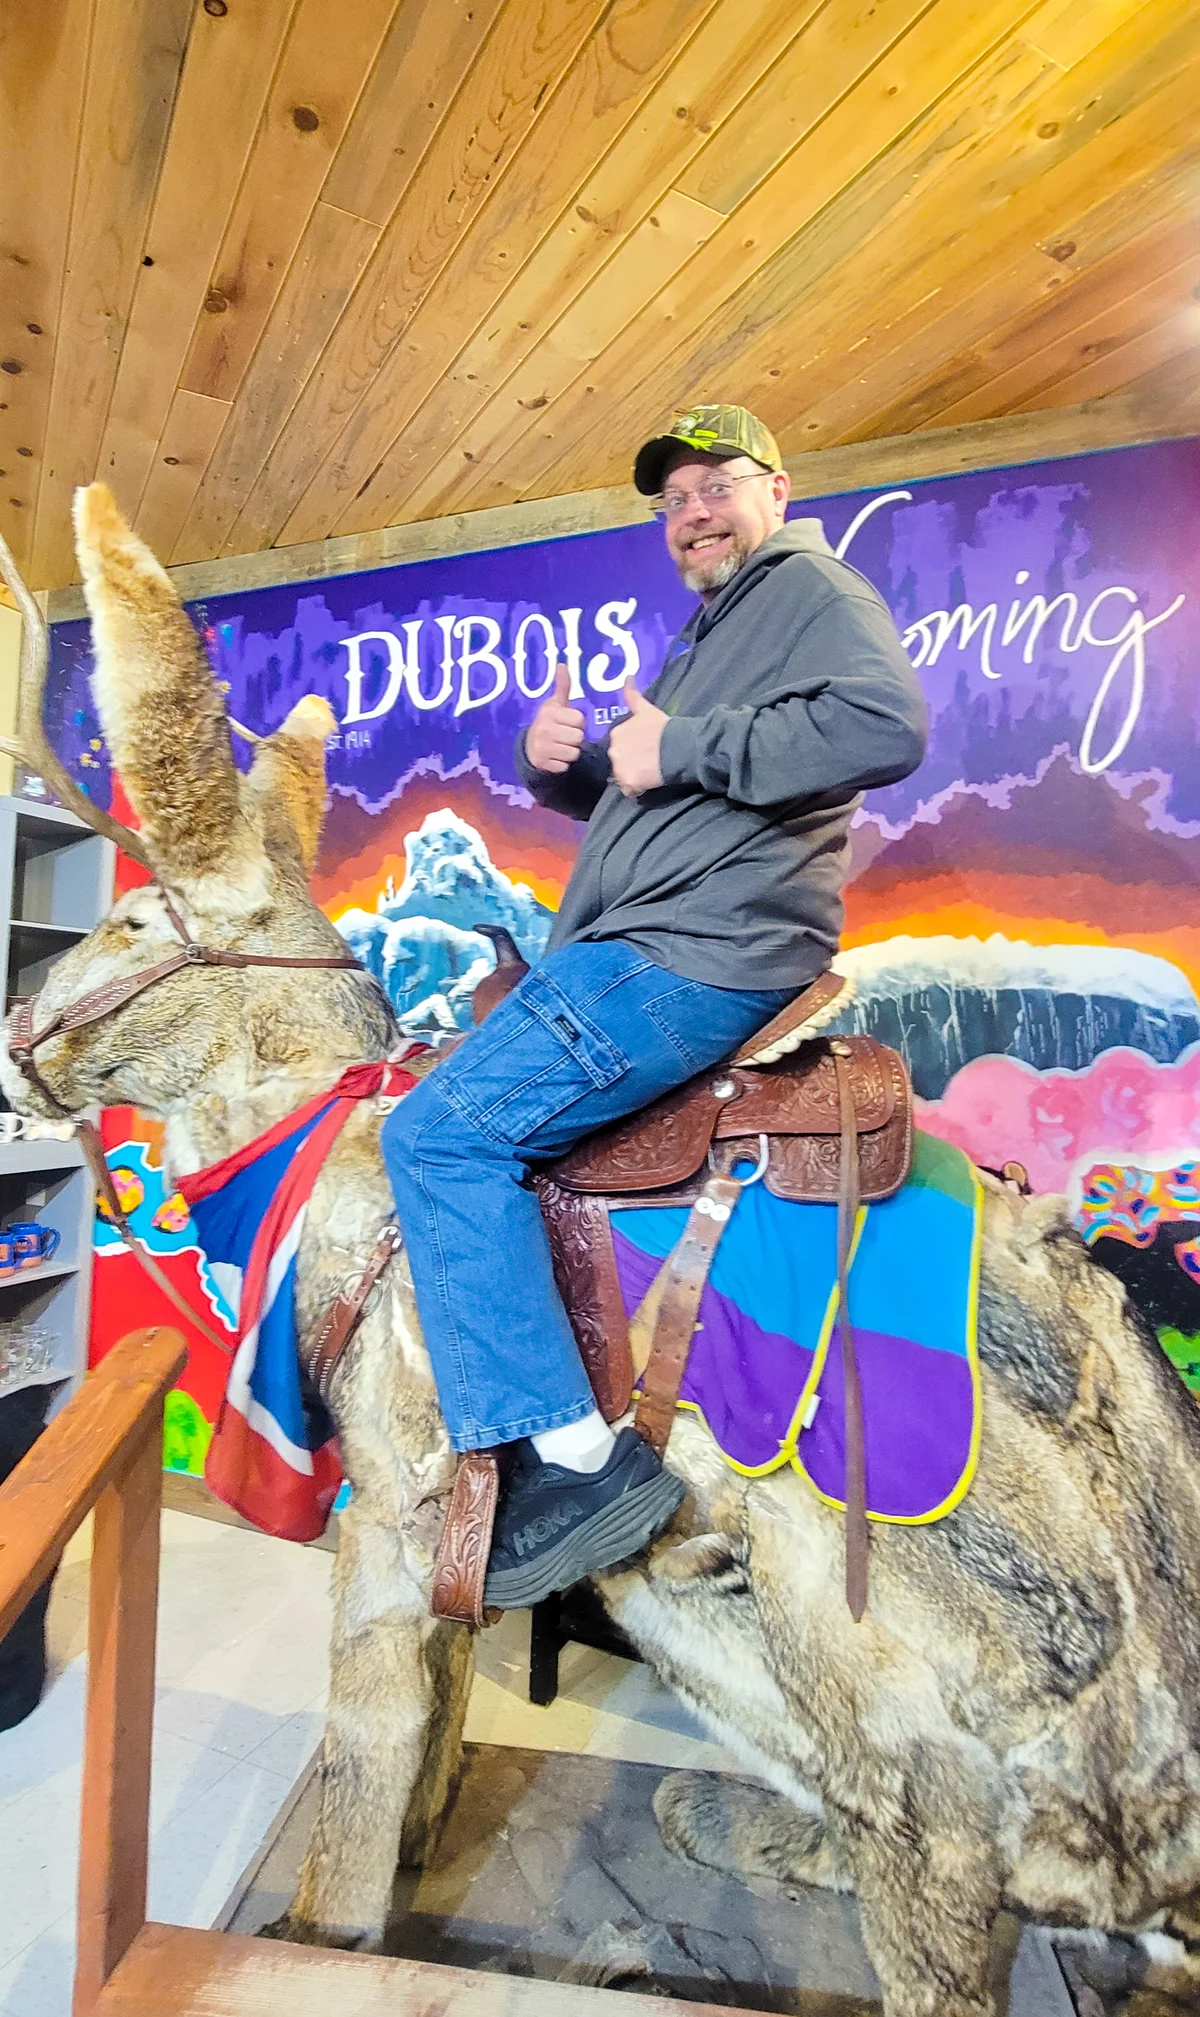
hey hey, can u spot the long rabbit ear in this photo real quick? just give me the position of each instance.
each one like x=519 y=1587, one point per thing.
x=161 y=710
x=287 y=780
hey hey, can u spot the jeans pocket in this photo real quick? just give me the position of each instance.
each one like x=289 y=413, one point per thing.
x=703 y=1024
x=597 y=1054
x=685 y=1015
x=536 y=1055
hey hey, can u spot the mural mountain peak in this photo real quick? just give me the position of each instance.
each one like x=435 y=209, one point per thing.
x=420 y=942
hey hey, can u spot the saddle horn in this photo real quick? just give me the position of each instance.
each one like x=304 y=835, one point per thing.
x=508 y=970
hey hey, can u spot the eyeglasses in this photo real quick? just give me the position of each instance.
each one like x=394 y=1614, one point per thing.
x=672 y=502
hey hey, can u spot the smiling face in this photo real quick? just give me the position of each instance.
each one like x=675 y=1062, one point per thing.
x=708 y=543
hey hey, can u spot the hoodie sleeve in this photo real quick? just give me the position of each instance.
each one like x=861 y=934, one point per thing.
x=577 y=791
x=846 y=714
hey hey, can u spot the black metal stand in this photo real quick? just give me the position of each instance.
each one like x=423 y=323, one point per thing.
x=576 y=1616
x=23 y=1651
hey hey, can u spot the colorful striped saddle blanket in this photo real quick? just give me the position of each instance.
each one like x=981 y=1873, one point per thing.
x=765 y=1371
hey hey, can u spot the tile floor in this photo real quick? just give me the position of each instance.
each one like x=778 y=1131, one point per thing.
x=242 y=1674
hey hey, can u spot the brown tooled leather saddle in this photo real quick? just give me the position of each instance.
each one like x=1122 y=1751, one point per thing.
x=817 y=1119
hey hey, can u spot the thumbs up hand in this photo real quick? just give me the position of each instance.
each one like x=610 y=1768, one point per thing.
x=555 y=735
x=633 y=745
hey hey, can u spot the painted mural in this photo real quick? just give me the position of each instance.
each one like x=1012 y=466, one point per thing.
x=1023 y=916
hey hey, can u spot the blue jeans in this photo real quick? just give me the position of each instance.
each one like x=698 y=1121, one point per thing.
x=590 y=1035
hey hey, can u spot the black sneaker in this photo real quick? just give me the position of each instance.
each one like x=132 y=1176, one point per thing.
x=556 y=1526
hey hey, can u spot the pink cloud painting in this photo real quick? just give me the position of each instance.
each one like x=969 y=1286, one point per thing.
x=1123 y=1108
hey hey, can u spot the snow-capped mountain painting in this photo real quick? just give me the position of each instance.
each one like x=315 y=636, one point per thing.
x=943 y=1001
x=421 y=942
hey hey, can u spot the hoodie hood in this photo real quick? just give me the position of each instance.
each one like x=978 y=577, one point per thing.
x=799 y=535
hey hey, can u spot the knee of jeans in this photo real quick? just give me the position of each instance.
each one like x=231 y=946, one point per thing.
x=402 y=1126
x=425 y=1128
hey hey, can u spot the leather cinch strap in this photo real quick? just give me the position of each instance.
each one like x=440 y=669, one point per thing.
x=688 y=1268
x=858 y=1538
x=322 y=1352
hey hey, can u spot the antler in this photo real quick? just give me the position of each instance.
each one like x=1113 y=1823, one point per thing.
x=33 y=745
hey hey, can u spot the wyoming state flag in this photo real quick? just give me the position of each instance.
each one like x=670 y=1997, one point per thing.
x=274 y=1454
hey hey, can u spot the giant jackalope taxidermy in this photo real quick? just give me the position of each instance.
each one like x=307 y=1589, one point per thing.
x=1016 y=1720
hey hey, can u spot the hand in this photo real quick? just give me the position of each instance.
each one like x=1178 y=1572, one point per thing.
x=555 y=735
x=634 y=744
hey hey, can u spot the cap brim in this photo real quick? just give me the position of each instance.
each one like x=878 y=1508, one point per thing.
x=650 y=467
x=651 y=464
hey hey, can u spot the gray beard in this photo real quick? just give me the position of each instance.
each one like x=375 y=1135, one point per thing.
x=722 y=574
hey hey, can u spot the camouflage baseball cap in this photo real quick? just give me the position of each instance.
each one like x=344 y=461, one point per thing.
x=714 y=430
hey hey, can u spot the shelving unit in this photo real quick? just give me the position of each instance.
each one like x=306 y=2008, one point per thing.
x=55 y=884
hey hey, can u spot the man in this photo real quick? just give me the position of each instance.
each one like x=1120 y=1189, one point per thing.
x=706 y=894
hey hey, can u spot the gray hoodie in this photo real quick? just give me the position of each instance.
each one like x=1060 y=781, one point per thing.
x=789 y=695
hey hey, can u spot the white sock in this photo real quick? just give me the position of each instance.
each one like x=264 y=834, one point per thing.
x=581 y=1446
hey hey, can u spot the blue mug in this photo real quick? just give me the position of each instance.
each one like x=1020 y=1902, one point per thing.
x=31 y=1244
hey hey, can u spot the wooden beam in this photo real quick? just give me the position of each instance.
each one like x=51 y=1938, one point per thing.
x=989 y=444
x=455 y=256
x=54 y=1488
x=1120 y=422
x=395 y=546
x=175 y=1971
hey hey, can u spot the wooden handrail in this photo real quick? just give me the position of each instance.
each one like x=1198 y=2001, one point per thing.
x=103 y=1451
x=54 y=1488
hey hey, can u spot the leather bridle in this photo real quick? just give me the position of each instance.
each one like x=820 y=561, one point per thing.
x=104 y=1001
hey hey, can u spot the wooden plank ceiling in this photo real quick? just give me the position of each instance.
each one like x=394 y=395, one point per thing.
x=280 y=269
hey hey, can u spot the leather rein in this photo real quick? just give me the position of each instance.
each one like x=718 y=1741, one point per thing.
x=104 y=1001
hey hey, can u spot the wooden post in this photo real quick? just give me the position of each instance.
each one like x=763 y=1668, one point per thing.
x=122 y=1616
x=103 y=1451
